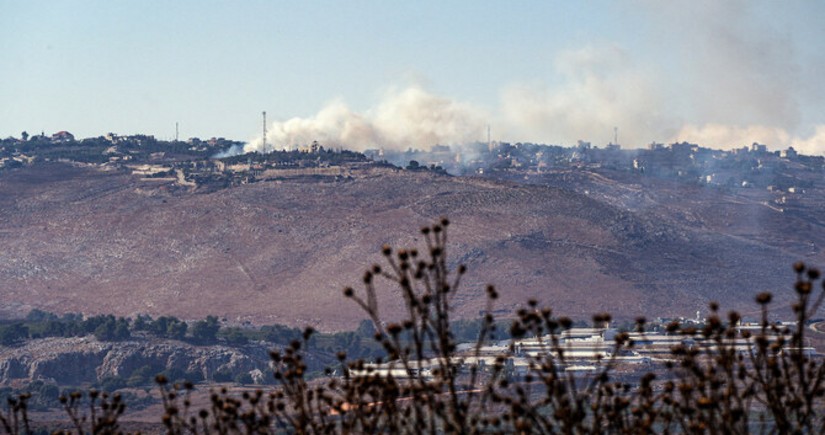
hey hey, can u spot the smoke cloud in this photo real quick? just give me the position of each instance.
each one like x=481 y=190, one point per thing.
x=600 y=89
x=742 y=79
x=723 y=75
x=405 y=118
x=731 y=136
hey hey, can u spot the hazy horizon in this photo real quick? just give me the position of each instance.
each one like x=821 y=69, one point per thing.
x=360 y=74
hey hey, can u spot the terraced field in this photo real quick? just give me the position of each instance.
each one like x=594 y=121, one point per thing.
x=75 y=239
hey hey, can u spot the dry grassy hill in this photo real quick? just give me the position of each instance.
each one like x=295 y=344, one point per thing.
x=79 y=240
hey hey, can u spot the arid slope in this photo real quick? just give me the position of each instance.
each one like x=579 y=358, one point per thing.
x=79 y=240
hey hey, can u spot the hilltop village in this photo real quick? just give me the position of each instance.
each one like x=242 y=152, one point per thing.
x=218 y=162
x=660 y=230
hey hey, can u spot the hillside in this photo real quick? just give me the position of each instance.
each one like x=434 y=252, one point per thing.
x=81 y=240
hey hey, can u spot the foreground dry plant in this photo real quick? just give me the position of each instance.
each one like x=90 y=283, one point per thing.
x=727 y=380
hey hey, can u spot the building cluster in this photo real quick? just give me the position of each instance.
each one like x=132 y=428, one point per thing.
x=198 y=162
x=586 y=350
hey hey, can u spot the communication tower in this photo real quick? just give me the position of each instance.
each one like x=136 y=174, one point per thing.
x=264 y=140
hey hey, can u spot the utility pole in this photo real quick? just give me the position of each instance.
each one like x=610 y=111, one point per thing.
x=264 y=137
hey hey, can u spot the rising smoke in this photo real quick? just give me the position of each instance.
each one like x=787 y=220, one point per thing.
x=409 y=118
x=733 y=78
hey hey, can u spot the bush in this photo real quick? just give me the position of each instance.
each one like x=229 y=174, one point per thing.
x=420 y=385
x=142 y=376
x=222 y=375
x=13 y=334
x=206 y=331
x=112 y=383
x=243 y=379
x=711 y=387
x=236 y=337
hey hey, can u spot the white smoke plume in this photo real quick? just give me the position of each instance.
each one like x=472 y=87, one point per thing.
x=409 y=118
x=743 y=80
x=731 y=76
x=732 y=136
x=600 y=90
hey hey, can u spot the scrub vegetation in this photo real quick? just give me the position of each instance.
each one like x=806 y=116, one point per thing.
x=424 y=383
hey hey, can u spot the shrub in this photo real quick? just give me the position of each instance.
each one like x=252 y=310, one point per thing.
x=421 y=385
x=206 y=331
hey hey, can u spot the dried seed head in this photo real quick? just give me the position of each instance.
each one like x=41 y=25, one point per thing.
x=764 y=298
x=602 y=318
x=492 y=293
x=394 y=328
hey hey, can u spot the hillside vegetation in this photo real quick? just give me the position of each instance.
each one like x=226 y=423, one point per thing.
x=80 y=240
x=718 y=378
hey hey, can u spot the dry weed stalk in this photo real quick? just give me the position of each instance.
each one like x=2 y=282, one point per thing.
x=722 y=379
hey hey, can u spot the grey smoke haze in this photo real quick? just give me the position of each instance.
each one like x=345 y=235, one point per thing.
x=742 y=79
x=727 y=76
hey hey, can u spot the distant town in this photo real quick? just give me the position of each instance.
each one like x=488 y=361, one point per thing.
x=219 y=162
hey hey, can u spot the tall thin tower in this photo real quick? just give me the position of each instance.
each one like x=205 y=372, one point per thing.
x=176 y=131
x=615 y=135
x=264 y=140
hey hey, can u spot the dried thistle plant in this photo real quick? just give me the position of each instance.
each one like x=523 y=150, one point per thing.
x=722 y=378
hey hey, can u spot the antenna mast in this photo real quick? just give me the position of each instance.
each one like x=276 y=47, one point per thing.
x=264 y=140
x=176 y=131
x=615 y=135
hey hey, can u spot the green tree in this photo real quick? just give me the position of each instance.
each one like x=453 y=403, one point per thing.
x=206 y=331
x=13 y=334
x=142 y=323
x=169 y=327
x=236 y=337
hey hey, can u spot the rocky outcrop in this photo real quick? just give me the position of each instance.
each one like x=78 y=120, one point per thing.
x=76 y=360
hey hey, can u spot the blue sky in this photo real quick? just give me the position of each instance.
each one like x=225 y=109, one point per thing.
x=365 y=73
